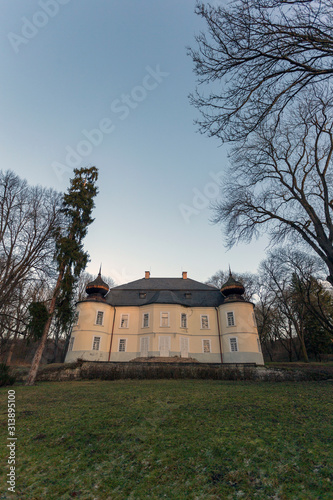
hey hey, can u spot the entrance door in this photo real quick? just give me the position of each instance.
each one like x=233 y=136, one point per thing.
x=184 y=347
x=144 y=347
x=164 y=346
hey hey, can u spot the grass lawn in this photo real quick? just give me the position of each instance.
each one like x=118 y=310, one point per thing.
x=171 y=439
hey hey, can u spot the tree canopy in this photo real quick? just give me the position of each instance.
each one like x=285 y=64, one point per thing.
x=280 y=180
x=255 y=57
x=29 y=217
x=268 y=67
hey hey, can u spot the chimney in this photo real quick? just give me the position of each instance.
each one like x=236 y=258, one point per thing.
x=184 y=275
x=147 y=275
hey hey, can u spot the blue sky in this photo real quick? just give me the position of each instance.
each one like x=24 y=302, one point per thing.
x=106 y=83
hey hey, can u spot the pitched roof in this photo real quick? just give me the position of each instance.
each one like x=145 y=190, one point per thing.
x=165 y=284
x=186 y=292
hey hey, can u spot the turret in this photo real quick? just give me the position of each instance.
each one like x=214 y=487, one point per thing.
x=97 y=289
x=233 y=290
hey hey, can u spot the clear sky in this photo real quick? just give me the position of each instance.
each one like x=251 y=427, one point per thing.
x=106 y=83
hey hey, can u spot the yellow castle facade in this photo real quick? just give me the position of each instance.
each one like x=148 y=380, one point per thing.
x=165 y=317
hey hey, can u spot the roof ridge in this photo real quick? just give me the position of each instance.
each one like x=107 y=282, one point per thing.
x=171 y=282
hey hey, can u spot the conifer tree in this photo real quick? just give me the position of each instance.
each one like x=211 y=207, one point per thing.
x=71 y=258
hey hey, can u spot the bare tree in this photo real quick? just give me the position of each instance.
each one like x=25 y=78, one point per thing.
x=218 y=279
x=250 y=282
x=17 y=315
x=29 y=217
x=256 y=56
x=276 y=275
x=281 y=181
x=294 y=300
x=27 y=293
x=311 y=291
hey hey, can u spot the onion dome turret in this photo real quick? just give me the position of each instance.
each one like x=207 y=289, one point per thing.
x=98 y=288
x=233 y=289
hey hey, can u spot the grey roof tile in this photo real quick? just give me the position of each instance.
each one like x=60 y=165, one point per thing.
x=186 y=292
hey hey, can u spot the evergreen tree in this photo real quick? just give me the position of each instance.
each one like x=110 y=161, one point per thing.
x=38 y=316
x=71 y=258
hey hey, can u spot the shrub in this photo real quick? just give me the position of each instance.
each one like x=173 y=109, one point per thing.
x=5 y=377
x=103 y=371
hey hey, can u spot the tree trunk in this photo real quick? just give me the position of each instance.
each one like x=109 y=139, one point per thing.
x=40 y=349
x=300 y=335
x=11 y=349
x=55 y=350
x=304 y=351
x=269 y=352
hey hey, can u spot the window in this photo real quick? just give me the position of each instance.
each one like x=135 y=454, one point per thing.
x=142 y=295
x=144 y=346
x=259 y=345
x=122 y=345
x=145 y=322
x=184 y=347
x=183 y=320
x=204 y=321
x=99 y=318
x=254 y=319
x=164 y=346
x=71 y=342
x=233 y=344
x=206 y=345
x=230 y=319
x=76 y=317
x=164 y=319
x=96 y=343
x=124 y=321
x=188 y=295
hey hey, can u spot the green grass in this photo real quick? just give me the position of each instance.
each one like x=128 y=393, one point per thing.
x=172 y=439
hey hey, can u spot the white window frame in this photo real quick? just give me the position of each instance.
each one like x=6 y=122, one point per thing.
x=201 y=321
x=209 y=345
x=122 y=317
x=143 y=320
x=124 y=342
x=98 y=343
x=164 y=317
x=141 y=342
x=71 y=343
x=102 y=313
x=233 y=344
x=232 y=317
x=181 y=320
x=182 y=341
x=167 y=340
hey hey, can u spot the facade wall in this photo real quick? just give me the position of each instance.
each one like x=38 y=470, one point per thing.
x=244 y=330
x=165 y=333
x=86 y=329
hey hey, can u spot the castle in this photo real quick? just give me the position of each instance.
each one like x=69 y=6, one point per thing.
x=165 y=317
